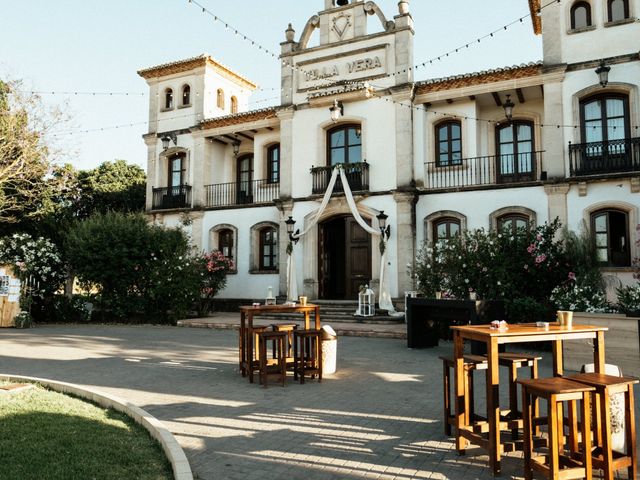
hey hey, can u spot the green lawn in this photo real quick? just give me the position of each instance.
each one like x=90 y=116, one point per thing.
x=47 y=435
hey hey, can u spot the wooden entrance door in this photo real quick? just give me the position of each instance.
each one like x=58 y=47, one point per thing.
x=344 y=258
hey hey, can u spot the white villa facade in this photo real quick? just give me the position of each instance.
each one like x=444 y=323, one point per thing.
x=436 y=156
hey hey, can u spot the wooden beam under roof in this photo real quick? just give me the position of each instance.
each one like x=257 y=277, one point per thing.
x=233 y=139
x=449 y=101
x=218 y=140
x=520 y=95
x=472 y=97
x=248 y=137
x=496 y=98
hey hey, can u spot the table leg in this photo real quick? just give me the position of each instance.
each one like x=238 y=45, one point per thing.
x=306 y=320
x=558 y=367
x=598 y=352
x=458 y=354
x=249 y=354
x=317 y=315
x=241 y=344
x=493 y=405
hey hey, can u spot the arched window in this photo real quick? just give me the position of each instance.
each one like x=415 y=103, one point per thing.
x=186 y=95
x=225 y=242
x=605 y=117
x=220 y=99
x=610 y=229
x=234 y=105
x=168 y=99
x=176 y=170
x=344 y=144
x=617 y=10
x=268 y=249
x=273 y=163
x=445 y=228
x=580 y=15
x=513 y=223
x=449 y=144
x=516 y=160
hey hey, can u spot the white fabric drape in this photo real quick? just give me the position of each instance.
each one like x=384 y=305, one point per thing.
x=384 y=298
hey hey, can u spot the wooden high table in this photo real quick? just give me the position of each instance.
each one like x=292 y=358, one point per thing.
x=247 y=313
x=518 y=333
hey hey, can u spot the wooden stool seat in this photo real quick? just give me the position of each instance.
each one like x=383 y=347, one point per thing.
x=276 y=365
x=555 y=464
x=513 y=361
x=471 y=363
x=603 y=456
x=288 y=328
x=252 y=351
x=307 y=351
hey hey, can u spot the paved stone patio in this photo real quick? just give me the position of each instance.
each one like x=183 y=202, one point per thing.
x=378 y=417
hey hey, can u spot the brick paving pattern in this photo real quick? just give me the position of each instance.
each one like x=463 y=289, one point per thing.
x=378 y=417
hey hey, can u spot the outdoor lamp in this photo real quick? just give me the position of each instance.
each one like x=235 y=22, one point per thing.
x=337 y=110
x=603 y=73
x=236 y=147
x=385 y=229
x=508 y=108
x=167 y=138
x=290 y=223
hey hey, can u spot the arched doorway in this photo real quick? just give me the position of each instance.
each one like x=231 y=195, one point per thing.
x=344 y=258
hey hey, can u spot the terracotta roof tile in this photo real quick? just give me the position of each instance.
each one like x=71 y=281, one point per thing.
x=478 y=78
x=536 y=17
x=239 y=118
x=187 y=64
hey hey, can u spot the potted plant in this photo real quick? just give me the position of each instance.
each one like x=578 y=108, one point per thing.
x=23 y=320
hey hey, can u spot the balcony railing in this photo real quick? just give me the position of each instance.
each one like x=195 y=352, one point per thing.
x=241 y=193
x=357 y=175
x=489 y=170
x=597 y=158
x=172 y=197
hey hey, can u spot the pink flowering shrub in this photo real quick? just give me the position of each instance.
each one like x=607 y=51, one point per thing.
x=497 y=265
x=213 y=268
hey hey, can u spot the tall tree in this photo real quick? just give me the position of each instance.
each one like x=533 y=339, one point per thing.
x=24 y=157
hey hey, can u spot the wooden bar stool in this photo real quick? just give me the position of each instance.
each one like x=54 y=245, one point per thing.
x=513 y=362
x=604 y=457
x=471 y=364
x=252 y=352
x=288 y=328
x=556 y=464
x=307 y=351
x=276 y=365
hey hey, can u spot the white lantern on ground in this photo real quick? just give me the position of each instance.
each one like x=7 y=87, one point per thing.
x=366 y=302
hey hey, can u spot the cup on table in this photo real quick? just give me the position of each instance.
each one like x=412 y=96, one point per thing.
x=303 y=301
x=438 y=295
x=565 y=318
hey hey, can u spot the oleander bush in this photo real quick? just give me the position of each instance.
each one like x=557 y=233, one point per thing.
x=135 y=269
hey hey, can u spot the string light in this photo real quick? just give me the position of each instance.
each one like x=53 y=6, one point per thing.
x=93 y=94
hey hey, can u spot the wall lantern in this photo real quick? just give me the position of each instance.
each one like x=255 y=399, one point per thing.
x=236 y=147
x=385 y=229
x=337 y=111
x=603 y=73
x=508 y=108
x=167 y=138
x=290 y=225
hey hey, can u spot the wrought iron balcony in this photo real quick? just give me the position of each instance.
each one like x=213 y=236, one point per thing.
x=168 y=198
x=488 y=170
x=598 y=158
x=357 y=175
x=241 y=193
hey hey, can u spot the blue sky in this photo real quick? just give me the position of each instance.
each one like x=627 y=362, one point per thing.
x=93 y=45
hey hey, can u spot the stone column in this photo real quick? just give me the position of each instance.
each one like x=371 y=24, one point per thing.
x=553 y=31
x=198 y=160
x=553 y=139
x=151 y=140
x=405 y=237
x=286 y=153
x=557 y=201
x=196 y=231
x=404 y=48
x=286 y=210
x=404 y=136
